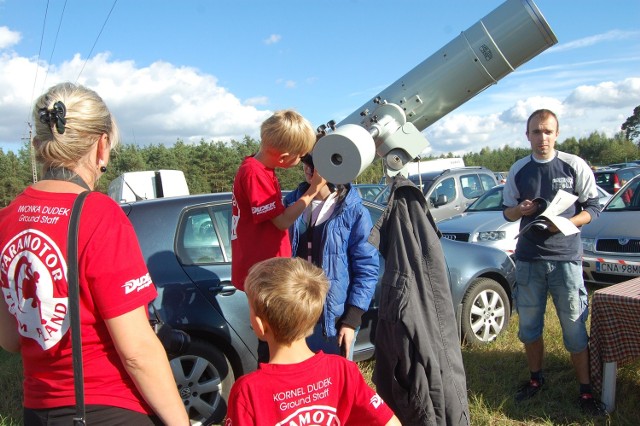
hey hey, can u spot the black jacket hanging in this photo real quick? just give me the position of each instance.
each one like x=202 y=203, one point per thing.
x=419 y=370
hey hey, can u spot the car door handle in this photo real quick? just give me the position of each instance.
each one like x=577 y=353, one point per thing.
x=223 y=290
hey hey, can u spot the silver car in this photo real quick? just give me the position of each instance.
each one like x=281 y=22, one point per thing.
x=449 y=192
x=483 y=223
x=611 y=243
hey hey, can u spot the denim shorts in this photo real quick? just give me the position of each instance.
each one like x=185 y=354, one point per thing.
x=563 y=280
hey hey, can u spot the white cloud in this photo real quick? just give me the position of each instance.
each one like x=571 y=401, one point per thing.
x=161 y=103
x=520 y=112
x=460 y=133
x=620 y=94
x=257 y=100
x=289 y=84
x=614 y=35
x=273 y=39
x=8 y=38
x=156 y=104
x=601 y=107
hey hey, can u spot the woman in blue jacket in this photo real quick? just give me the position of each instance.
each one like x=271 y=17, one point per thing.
x=332 y=233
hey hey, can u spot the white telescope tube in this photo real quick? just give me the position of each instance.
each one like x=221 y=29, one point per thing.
x=496 y=45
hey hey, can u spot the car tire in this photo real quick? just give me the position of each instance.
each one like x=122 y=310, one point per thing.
x=486 y=311
x=204 y=377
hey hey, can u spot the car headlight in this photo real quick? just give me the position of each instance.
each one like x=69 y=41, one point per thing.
x=491 y=235
x=588 y=244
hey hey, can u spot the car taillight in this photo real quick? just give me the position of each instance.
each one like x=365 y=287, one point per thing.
x=616 y=183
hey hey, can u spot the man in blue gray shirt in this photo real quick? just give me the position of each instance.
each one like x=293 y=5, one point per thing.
x=548 y=261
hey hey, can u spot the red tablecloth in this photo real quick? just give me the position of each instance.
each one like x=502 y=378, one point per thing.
x=615 y=327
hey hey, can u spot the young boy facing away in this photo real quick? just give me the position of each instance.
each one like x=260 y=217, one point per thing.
x=260 y=223
x=297 y=386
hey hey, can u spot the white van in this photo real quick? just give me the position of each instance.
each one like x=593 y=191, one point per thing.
x=143 y=185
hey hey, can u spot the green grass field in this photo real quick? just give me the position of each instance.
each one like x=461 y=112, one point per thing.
x=493 y=373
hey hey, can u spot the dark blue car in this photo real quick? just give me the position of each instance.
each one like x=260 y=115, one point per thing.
x=187 y=247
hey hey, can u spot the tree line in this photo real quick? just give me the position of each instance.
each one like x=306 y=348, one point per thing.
x=211 y=166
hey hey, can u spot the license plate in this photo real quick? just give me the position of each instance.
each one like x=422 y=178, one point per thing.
x=617 y=268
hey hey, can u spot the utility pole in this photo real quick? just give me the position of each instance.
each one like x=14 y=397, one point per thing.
x=32 y=154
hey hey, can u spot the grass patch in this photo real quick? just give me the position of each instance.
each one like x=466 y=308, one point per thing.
x=10 y=389
x=495 y=371
x=493 y=374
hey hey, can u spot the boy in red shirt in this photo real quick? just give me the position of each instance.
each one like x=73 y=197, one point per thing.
x=297 y=386
x=260 y=223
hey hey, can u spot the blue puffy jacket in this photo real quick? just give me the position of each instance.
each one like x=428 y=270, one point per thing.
x=350 y=262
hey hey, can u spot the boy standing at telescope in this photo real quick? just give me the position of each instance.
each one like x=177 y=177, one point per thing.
x=297 y=386
x=547 y=261
x=260 y=222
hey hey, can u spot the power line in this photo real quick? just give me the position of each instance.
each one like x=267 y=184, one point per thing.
x=44 y=21
x=96 y=41
x=55 y=42
x=35 y=79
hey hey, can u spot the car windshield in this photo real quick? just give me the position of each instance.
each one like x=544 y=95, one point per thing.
x=627 y=198
x=383 y=196
x=491 y=201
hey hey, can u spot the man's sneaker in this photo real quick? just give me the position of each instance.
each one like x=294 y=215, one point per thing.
x=590 y=405
x=529 y=389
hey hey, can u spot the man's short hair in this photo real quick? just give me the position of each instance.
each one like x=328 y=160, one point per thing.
x=544 y=114
x=289 y=294
x=287 y=131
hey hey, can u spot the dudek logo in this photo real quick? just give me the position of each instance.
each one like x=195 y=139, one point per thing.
x=36 y=277
x=137 y=284
x=376 y=401
x=263 y=209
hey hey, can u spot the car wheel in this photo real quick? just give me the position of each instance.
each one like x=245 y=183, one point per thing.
x=485 y=311
x=204 y=378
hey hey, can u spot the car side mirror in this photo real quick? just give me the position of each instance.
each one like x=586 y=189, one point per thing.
x=441 y=200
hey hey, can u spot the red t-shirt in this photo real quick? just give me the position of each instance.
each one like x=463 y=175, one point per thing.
x=324 y=390
x=257 y=199
x=113 y=280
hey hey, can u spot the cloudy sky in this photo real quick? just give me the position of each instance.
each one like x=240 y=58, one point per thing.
x=215 y=69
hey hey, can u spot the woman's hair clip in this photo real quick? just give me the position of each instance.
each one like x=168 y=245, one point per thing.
x=55 y=115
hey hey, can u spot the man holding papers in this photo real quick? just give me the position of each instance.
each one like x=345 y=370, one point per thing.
x=557 y=192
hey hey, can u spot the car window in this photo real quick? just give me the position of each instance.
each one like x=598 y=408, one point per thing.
x=383 y=196
x=222 y=220
x=445 y=187
x=471 y=186
x=627 y=199
x=627 y=174
x=490 y=201
x=487 y=181
x=203 y=236
x=369 y=192
x=603 y=179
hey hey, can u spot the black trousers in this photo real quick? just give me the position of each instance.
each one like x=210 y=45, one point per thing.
x=96 y=415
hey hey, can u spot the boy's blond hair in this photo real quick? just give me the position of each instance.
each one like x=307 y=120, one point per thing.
x=287 y=131
x=287 y=293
